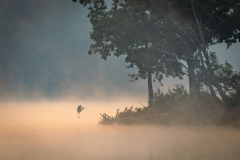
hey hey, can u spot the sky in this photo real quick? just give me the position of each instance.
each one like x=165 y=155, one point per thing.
x=43 y=56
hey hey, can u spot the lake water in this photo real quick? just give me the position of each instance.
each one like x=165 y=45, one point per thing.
x=50 y=131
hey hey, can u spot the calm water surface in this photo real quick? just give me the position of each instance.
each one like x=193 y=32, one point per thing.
x=47 y=133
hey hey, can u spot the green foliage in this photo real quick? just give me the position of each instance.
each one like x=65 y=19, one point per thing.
x=127 y=29
x=128 y=116
x=175 y=33
x=172 y=108
x=235 y=98
x=227 y=77
x=129 y=26
x=177 y=94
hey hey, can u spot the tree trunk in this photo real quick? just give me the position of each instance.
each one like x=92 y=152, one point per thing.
x=211 y=73
x=194 y=88
x=210 y=85
x=216 y=84
x=192 y=91
x=150 y=90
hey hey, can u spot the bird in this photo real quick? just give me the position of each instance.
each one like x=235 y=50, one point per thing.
x=79 y=109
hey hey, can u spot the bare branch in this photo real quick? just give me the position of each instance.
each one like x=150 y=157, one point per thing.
x=186 y=34
x=185 y=73
x=179 y=63
x=173 y=54
x=187 y=25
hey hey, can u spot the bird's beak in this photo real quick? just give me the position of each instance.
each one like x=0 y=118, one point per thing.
x=83 y=108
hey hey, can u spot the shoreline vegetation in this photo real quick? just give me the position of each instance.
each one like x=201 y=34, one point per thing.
x=171 y=39
x=176 y=108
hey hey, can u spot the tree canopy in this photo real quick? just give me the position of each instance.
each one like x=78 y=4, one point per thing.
x=157 y=35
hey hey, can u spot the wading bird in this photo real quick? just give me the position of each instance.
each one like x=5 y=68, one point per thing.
x=79 y=109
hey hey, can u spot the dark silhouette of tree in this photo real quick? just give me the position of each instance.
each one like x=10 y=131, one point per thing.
x=120 y=32
x=196 y=29
x=178 y=30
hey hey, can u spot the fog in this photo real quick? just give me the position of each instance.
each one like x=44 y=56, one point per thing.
x=45 y=73
x=52 y=130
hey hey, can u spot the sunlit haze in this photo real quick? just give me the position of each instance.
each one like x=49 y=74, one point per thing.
x=46 y=73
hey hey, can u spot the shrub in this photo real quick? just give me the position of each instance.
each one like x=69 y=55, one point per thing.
x=172 y=108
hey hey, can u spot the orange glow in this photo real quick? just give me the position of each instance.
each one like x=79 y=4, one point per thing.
x=52 y=130
x=55 y=113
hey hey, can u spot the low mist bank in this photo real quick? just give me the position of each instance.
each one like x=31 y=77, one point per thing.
x=53 y=131
x=119 y=142
x=56 y=114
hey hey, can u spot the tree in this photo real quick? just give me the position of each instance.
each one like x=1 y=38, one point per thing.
x=197 y=22
x=179 y=29
x=227 y=77
x=119 y=31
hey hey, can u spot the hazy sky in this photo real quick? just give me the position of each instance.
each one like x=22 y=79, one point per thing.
x=43 y=55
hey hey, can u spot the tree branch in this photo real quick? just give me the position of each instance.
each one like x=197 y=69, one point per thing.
x=173 y=54
x=186 y=34
x=187 y=25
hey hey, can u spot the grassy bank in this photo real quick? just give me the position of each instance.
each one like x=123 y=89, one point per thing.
x=174 y=108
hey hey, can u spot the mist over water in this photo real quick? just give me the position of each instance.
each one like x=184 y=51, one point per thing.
x=52 y=130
